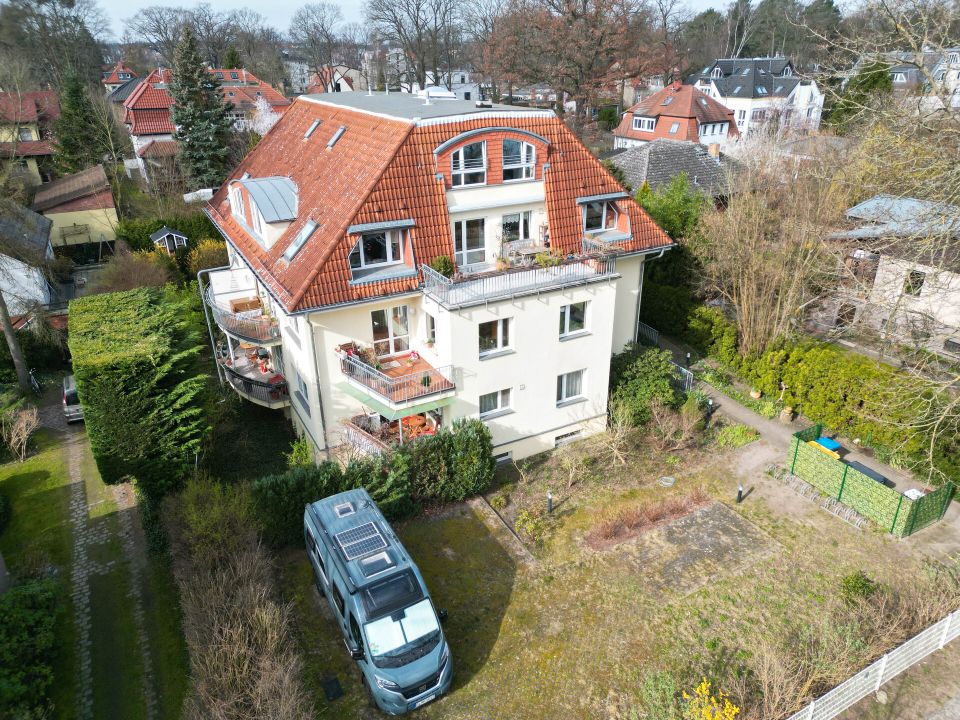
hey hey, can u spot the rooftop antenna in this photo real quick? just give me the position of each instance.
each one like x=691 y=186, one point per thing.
x=426 y=94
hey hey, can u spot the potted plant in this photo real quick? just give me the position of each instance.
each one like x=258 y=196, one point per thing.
x=755 y=393
x=502 y=264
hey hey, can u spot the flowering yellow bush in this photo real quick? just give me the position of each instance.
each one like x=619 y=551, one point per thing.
x=704 y=705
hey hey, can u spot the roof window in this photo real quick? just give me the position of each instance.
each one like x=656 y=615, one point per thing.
x=737 y=89
x=668 y=100
x=299 y=241
x=336 y=136
x=778 y=90
x=344 y=509
x=313 y=126
x=761 y=90
x=234 y=76
x=746 y=71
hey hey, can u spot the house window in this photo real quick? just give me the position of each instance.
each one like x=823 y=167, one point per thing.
x=234 y=76
x=758 y=115
x=494 y=336
x=809 y=112
x=519 y=160
x=645 y=124
x=494 y=403
x=179 y=241
x=569 y=386
x=303 y=394
x=236 y=202
x=516 y=226
x=376 y=249
x=463 y=79
x=255 y=216
x=567 y=438
x=431 y=324
x=25 y=133
x=899 y=77
x=674 y=127
x=391 y=331
x=573 y=318
x=717 y=72
x=469 y=165
x=914 y=282
x=466 y=96
x=741 y=115
x=469 y=243
x=599 y=216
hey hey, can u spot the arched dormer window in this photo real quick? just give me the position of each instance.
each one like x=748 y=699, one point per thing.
x=717 y=72
x=469 y=165
x=519 y=160
x=236 y=203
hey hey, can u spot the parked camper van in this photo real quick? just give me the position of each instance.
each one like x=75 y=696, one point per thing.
x=380 y=601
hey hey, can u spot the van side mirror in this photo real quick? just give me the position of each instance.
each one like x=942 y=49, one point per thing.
x=442 y=614
x=356 y=653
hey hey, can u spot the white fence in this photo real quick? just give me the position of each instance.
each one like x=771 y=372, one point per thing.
x=871 y=678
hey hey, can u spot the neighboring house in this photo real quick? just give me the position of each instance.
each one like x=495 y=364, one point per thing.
x=147 y=112
x=331 y=311
x=902 y=272
x=761 y=90
x=931 y=74
x=80 y=206
x=116 y=76
x=657 y=163
x=678 y=112
x=169 y=239
x=336 y=78
x=26 y=123
x=24 y=250
x=297 y=72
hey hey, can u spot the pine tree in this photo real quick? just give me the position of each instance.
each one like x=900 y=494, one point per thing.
x=200 y=116
x=232 y=59
x=74 y=130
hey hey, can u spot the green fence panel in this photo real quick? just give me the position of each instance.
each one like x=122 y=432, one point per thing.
x=930 y=508
x=818 y=469
x=871 y=499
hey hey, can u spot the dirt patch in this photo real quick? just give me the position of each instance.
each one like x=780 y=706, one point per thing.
x=688 y=552
x=630 y=522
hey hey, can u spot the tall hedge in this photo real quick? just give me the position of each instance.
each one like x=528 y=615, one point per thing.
x=145 y=394
x=28 y=644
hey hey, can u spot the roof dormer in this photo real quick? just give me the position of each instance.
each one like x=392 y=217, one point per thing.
x=265 y=206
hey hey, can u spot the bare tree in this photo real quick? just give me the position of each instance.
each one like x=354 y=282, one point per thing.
x=215 y=31
x=159 y=26
x=314 y=30
x=16 y=426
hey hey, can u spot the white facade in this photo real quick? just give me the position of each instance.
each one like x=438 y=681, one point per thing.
x=23 y=286
x=801 y=110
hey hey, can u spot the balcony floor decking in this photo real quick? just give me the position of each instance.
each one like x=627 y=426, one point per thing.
x=413 y=387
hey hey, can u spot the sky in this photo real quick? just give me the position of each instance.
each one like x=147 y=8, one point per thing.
x=278 y=12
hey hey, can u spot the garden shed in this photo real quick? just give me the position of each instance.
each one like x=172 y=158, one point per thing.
x=169 y=239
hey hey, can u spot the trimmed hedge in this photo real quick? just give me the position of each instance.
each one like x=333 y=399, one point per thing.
x=145 y=394
x=450 y=466
x=136 y=232
x=27 y=647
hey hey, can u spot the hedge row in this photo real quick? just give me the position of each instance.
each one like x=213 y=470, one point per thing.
x=137 y=232
x=847 y=392
x=450 y=466
x=27 y=647
x=145 y=394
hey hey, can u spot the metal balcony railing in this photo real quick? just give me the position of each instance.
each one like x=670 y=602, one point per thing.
x=257 y=329
x=476 y=289
x=269 y=394
x=402 y=388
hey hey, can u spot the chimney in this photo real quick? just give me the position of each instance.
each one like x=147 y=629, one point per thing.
x=714 y=150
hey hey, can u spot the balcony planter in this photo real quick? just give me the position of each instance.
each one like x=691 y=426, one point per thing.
x=755 y=394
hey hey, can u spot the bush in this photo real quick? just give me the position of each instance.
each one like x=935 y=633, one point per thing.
x=43 y=350
x=443 y=265
x=666 y=308
x=207 y=253
x=640 y=375
x=301 y=452
x=145 y=393
x=27 y=648
x=136 y=232
x=734 y=436
x=531 y=525
x=857 y=586
x=280 y=499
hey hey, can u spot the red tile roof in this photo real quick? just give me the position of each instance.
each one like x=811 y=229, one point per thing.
x=158 y=148
x=112 y=77
x=41 y=106
x=27 y=148
x=686 y=105
x=147 y=109
x=384 y=169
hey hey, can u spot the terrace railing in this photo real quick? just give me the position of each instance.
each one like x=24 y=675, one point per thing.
x=269 y=394
x=496 y=285
x=256 y=329
x=402 y=388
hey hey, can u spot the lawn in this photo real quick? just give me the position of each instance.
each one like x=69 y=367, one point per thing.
x=573 y=632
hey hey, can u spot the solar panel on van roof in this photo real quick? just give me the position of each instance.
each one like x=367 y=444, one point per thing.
x=361 y=540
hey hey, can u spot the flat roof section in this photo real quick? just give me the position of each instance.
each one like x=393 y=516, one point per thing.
x=413 y=107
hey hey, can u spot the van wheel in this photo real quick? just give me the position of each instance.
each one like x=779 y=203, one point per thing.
x=371 y=702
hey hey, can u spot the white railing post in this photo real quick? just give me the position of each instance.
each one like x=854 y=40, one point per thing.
x=946 y=631
x=883 y=667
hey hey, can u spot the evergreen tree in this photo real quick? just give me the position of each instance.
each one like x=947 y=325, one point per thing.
x=232 y=59
x=200 y=116
x=863 y=91
x=74 y=149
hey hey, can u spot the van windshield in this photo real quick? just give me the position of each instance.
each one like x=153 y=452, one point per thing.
x=396 y=635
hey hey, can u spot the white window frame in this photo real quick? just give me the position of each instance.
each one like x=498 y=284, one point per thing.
x=524 y=222
x=236 y=202
x=256 y=219
x=21 y=131
x=501 y=407
x=458 y=171
x=898 y=77
x=396 y=343
x=430 y=327
x=717 y=72
x=565 y=330
x=644 y=124
x=674 y=128
x=394 y=240
x=503 y=329
x=462 y=256
x=564 y=382
x=179 y=241
x=527 y=167
x=603 y=225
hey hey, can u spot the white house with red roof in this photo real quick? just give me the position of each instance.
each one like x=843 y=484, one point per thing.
x=26 y=128
x=678 y=112
x=147 y=110
x=114 y=77
x=400 y=262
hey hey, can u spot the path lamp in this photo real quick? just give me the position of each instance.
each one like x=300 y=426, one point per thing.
x=549 y=503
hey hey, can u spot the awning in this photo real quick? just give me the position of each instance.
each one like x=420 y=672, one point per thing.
x=371 y=401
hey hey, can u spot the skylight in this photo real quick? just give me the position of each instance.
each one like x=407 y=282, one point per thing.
x=761 y=90
x=313 y=126
x=746 y=71
x=779 y=89
x=299 y=241
x=737 y=89
x=668 y=100
x=336 y=136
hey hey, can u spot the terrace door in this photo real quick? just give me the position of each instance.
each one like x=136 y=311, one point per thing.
x=469 y=242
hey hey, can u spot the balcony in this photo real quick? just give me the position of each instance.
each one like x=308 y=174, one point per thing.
x=399 y=382
x=374 y=434
x=238 y=310
x=250 y=372
x=464 y=290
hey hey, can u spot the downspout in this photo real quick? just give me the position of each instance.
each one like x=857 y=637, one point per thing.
x=203 y=303
x=316 y=372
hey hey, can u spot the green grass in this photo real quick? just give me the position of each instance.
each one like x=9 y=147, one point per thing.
x=736 y=435
x=168 y=648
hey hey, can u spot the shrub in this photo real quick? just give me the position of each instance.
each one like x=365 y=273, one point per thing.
x=280 y=499
x=27 y=648
x=666 y=308
x=208 y=253
x=443 y=265
x=131 y=270
x=857 y=586
x=301 y=452
x=736 y=435
x=216 y=519
x=531 y=525
x=473 y=463
x=641 y=375
x=136 y=232
x=43 y=350
x=145 y=394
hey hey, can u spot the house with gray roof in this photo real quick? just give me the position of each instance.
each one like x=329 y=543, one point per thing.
x=25 y=250
x=657 y=163
x=761 y=90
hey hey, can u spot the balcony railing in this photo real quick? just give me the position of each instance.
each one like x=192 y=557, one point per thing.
x=273 y=395
x=526 y=280
x=401 y=388
x=257 y=329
